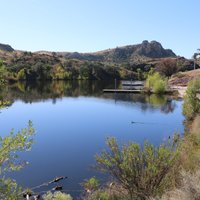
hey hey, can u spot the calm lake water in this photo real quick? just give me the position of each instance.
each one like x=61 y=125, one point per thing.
x=72 y=121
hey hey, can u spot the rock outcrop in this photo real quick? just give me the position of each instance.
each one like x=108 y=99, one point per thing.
x=6 y=47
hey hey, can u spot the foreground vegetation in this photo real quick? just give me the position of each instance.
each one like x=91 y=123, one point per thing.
x=141 y=172
x=10 y=146
x=191 y=106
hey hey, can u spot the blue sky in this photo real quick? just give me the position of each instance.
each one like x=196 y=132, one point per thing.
x=92 y=25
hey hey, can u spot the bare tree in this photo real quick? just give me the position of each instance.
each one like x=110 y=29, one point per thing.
x=167 y=66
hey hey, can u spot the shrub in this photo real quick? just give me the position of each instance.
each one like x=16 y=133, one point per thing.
x=57 y=196
x=110 y=192
x=191 y=105
x=142 y=172
x=189 y=188
x=91 y=184
x=155 y=83
x=102 y=195
x=159 y=86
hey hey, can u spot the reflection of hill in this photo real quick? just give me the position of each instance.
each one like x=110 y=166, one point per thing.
x=41 y=91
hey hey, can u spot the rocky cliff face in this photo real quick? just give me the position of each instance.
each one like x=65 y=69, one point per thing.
x=152 y=50
x=6 y=47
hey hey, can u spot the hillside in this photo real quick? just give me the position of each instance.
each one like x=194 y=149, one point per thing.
x=126 y=54
x=121 y=63
x=182 y=78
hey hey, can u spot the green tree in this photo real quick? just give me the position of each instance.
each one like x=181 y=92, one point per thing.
x=2 y=72
x=21 y=74
x=84 y=72
x=191 y=105
x=139 y=74
x=58 y=73
x=9 y=147
x=141 y=171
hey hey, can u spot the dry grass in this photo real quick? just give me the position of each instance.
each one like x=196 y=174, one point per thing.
x=182 y=78
x=189 y=180
x=195 y=127
x=189 y=189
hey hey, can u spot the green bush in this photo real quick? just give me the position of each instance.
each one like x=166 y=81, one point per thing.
x=57 y=196
x=99 y=194
x=159 y=87
x=142 y=171
x=91 y=184
x=102 y=195
x=191 y=105
x=156 y=83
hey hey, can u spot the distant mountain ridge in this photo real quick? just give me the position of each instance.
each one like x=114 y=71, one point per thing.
x=130 y=53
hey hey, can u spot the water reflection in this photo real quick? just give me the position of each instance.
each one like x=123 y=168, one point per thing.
x=30 y=92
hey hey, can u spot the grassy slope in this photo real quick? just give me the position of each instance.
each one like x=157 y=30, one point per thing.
x=182 y=78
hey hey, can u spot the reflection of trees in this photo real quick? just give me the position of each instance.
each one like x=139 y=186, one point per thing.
x=147 y=102
x=4 y=100
x=165 y=103
x=4 y=103
x=39 y=91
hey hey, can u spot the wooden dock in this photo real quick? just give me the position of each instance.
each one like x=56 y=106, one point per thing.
x=121 y=91
x=134 y=91
x=133 y=85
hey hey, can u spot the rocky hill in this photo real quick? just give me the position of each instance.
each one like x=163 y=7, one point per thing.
x=131 y=53
x=6 y=47
x=128 y=62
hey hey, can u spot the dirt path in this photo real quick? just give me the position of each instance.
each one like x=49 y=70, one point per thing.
x=181 y=90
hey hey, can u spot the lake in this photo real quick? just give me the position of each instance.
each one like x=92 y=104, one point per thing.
x=72 y=121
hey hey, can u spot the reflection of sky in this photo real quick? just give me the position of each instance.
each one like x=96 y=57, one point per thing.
x=70 y=132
